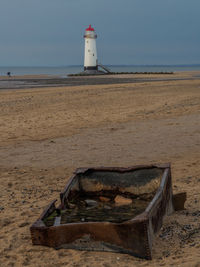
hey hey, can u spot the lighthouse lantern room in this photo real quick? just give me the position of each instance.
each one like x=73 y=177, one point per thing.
x=90 y=59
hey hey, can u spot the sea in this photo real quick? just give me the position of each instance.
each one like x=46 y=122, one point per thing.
x=62 y=71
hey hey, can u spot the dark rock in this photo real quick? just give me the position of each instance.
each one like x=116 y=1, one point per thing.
x=24 y=224
x=187 y=227
x=196 y=213
x=1 y=208
x=91 y=203
x=166 y=253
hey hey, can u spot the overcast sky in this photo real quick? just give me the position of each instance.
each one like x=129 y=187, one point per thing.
x=50 y=32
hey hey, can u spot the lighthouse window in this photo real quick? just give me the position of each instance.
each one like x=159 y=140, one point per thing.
x=93 y=55
x=88 y=50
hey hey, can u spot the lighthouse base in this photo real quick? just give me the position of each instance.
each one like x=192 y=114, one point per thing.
x=92 y=72
x=91 y=68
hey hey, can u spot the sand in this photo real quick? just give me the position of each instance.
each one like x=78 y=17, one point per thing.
x=48 y=132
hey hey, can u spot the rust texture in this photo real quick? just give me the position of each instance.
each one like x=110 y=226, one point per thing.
x=133 y=236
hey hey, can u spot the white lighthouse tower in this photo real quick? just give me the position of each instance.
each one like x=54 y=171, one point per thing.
x=90 y=59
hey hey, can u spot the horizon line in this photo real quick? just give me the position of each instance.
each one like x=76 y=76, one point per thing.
x=114 y=65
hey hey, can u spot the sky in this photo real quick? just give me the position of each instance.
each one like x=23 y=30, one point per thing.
x=130 y=32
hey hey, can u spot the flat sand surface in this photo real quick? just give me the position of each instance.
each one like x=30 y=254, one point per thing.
x=46 y=133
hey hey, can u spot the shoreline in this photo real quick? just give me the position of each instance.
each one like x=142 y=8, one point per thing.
x=43 y=81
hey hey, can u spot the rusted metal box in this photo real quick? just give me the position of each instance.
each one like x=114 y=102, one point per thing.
x=109 y=209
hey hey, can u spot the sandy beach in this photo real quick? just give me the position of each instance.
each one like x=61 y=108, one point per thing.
x=48 y=131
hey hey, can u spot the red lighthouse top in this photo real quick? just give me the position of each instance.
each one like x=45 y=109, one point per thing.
x=90 y=28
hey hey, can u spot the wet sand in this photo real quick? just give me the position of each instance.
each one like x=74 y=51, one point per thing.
x=34 y=81
x=48 y=132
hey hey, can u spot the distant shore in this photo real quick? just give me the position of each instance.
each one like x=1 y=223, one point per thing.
x=65 y=70
x=38 y=81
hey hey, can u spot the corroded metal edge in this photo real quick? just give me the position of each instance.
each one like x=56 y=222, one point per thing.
x=133 y=237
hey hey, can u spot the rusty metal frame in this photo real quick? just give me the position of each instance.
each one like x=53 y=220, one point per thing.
x=134 y=236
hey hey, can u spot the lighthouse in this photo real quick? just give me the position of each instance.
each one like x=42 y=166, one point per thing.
x=90 y=59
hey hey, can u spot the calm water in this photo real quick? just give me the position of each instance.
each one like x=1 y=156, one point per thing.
x=61 y=71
